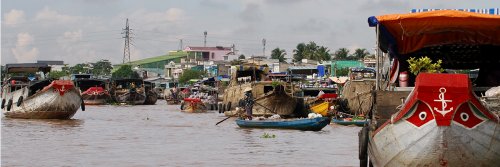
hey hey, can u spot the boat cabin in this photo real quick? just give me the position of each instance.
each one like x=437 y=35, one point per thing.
x=26 y=74
x=361 y=73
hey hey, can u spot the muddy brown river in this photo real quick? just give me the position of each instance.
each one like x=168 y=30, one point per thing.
x=161 y=135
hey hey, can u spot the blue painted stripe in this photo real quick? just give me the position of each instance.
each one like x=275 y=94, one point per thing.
x=492 y=11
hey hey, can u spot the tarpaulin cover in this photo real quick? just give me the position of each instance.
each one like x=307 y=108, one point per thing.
x=406 y=33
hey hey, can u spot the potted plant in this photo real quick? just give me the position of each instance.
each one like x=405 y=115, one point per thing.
x=424 y=64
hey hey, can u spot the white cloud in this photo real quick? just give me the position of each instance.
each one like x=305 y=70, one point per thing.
x=174 y=14
x=14 y=17
x=21 y=52
x=74 y=48
x=145 y=17
x=53 y=16
x=73 y=36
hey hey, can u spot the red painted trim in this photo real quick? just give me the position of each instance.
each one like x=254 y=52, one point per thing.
x=60 y=86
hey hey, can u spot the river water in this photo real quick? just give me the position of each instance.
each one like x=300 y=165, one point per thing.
x=160 y=135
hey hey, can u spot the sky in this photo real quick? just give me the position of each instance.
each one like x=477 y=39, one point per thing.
x=80 y=31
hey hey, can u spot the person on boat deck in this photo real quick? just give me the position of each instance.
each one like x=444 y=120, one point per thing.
x=174 y=92
x=248 y=102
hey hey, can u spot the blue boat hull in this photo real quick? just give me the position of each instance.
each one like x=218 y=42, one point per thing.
x=341 y=122
x=306 y=124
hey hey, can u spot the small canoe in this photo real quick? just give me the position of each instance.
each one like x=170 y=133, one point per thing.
x=321 y=108
x=193 y=105
x=306 y=124
x=349 y=122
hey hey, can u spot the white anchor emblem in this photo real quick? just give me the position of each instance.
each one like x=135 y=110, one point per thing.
x=441 y=99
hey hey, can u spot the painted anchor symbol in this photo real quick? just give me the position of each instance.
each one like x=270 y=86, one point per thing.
x=441 y=99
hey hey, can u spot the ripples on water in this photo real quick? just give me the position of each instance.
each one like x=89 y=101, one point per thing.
x=160 y=135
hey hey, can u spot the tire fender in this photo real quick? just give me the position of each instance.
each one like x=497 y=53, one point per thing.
x=182 y=105
x=83 y=105
x=3 y=103
x=9 y=105
x=363 y=145
x=19 y=101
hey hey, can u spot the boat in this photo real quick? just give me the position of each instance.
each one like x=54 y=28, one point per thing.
x=151 y=94
x=193 y=105
x=305 y=124
x=326 y=101
x=271 y=97
x=37 y=97
x=349 y=121
x=129 y=91
x=440 y=121
x=93 y=91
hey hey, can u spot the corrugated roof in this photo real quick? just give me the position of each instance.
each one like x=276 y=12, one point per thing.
x=51 y=62
x=170 y=56
x=302 y=68
x=198 y=48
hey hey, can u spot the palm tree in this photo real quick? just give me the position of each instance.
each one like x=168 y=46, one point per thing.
x=310 y=52
x=323 y=53
x=360 y=53
x=278 y=54
x=341 y=54
x=298 y=53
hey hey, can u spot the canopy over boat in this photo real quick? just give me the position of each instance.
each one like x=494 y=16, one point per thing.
x=27 y=68
x=461 y=39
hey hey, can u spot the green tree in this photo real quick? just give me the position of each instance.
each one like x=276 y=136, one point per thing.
x=323 y=53
x=298 y=53
x=310 y=51
x=102 y=68
x=125 y=71
x=79 y=69
x=189 y=74
x=341 y=54
x=242 y=56
x=342 y=72
x=360 y=53
x=278 y=54
x=58 y=74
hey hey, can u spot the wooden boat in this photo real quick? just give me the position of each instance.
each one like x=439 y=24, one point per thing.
x=193 y=105
x=151 y=95
x=306 y=124
x=270 y=97
x=349 y=121
x=129 y=91
x=321 y=108
x=328 y=100
x=441 y=122
x=32 y=98
x=94 y=91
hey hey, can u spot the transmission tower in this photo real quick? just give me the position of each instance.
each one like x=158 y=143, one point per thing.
x=126 y=48
x=205 y=41
x=264 y=47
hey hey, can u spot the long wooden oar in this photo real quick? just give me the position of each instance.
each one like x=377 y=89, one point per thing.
x=223 y=120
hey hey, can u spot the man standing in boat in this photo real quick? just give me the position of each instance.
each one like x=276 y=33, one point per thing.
x=248 y=102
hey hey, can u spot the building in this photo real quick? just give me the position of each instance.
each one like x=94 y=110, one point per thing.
x=217 y=53
x=155 y=66
x=370 y=62
x=55 y=65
